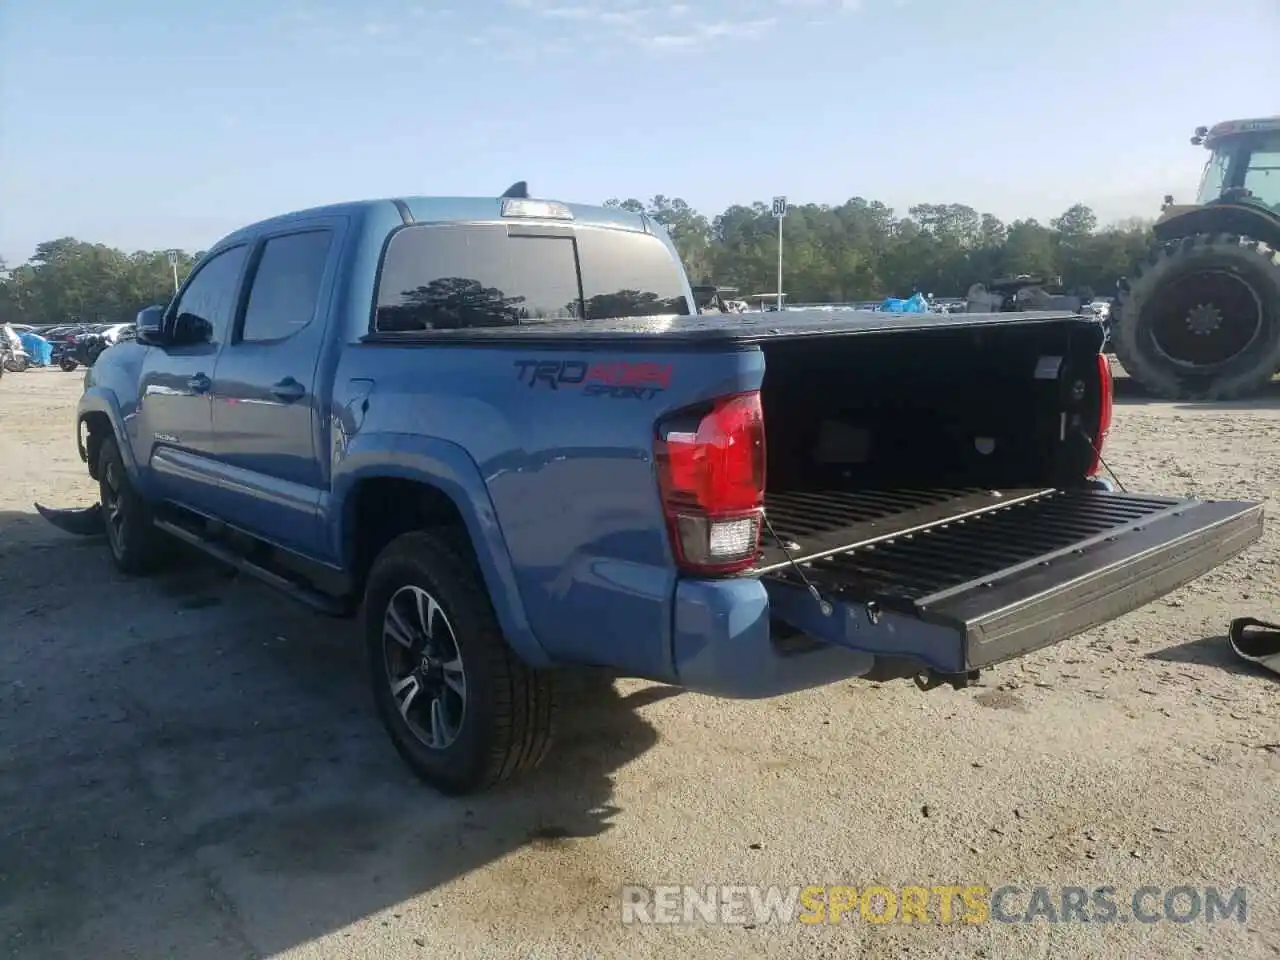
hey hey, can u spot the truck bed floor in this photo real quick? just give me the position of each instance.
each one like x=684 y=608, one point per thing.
x=813 y=523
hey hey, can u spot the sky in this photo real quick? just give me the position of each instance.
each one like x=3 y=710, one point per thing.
x=148 y=124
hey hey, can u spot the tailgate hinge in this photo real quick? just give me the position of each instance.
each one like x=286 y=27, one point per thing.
x=931 y=679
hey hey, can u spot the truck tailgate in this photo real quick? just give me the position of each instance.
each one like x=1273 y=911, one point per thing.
x=966 y=591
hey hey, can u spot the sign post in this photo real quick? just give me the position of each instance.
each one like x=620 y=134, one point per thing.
x=779 y=214
x=173 y=265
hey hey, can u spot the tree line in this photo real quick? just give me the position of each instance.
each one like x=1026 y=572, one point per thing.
x=859 y=250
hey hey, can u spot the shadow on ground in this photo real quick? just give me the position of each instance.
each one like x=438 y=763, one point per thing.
x=1129 y=392
x=1210 y=652
x=190 y=767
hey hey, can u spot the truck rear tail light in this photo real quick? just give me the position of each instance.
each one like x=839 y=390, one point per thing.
x=1106 y=403
x=711 y=472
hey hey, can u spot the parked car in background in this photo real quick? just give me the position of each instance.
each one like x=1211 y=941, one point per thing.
x=15 y=358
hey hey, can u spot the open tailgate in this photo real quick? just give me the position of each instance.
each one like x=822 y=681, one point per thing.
x=961 y=593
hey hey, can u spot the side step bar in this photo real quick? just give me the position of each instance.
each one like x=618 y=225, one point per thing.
x=301 y=592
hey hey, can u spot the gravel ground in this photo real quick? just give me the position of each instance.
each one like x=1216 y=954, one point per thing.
x=190 y=768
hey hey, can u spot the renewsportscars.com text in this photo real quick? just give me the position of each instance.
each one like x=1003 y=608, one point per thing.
x=971 y=904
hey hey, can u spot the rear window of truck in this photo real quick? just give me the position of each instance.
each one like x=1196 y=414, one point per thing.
x=450 y=277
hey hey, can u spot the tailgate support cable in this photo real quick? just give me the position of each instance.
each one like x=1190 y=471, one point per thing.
x=1098 y=453
x=823 y=604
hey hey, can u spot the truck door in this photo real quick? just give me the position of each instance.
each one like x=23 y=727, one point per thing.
x=266 y=405
x=176 y=421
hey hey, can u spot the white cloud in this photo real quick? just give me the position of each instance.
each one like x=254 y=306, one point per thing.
x=584 y=14
x=579 y=26
x=670 y=41
x=838 y=6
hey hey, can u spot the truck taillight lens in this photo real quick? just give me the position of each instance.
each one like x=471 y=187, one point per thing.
x=710 y=463
x=1106 y=402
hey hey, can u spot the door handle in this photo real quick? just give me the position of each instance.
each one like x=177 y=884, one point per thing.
x=288 y=390
x=200 y=383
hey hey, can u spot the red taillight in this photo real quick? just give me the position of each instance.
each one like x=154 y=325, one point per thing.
x=1106 y=401
x=711 y=479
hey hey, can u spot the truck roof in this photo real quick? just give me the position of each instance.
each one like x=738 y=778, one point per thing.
x=448 y=209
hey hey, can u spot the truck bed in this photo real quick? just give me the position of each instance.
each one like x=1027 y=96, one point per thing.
x=719 y=329
x=911 y=544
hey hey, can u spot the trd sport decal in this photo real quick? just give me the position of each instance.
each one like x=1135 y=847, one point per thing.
x=616 y=378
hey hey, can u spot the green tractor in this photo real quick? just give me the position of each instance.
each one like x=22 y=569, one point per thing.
x=1200 y=318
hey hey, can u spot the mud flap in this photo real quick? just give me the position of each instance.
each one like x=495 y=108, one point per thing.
x=1260 y=646
x=997 y=611
x=81 y=521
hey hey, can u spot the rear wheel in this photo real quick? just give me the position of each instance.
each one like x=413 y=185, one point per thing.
x=137 y=546
x=1202 y=320
x=463 y=711
x=67 y=364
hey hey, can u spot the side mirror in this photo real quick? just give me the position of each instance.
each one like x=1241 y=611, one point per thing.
x=150 y=326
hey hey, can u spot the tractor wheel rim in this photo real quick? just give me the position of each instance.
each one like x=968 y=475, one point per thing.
x=1206 y=320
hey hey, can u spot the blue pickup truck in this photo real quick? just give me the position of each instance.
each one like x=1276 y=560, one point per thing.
x=496 y=430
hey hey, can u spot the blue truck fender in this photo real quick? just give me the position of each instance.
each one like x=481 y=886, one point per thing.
x=103 y=400
x=450 y=469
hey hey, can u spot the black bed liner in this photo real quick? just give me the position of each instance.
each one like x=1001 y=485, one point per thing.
x=811 y=524
x=1004 y=573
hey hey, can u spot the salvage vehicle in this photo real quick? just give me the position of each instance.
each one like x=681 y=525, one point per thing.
x=496 y=430
x=1199 y=319
x=13 y=356
x=1020 y=294
x=65 y=342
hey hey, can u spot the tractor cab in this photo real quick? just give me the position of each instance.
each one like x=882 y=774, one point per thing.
x=1244 y=162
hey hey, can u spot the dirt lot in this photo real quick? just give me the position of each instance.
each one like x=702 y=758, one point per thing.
x=189 y=766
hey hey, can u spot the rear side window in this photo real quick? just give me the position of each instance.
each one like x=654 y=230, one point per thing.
x=629 y=275
x=463 y=277
x=286 y=285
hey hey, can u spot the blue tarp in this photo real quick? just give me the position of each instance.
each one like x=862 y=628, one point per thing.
x=916 y=303
x=38 y=348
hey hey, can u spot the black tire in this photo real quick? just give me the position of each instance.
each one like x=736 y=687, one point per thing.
x=67 y=364
x=503 y=722
x=1228 y=286
x=137 y=546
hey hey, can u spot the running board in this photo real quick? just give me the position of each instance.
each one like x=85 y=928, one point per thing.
x=297 y=591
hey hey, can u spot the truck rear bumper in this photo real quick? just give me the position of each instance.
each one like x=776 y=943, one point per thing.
x=725 y=645
x=731 y=636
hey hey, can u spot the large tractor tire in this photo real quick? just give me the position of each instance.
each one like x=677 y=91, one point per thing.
x=1201 y=320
